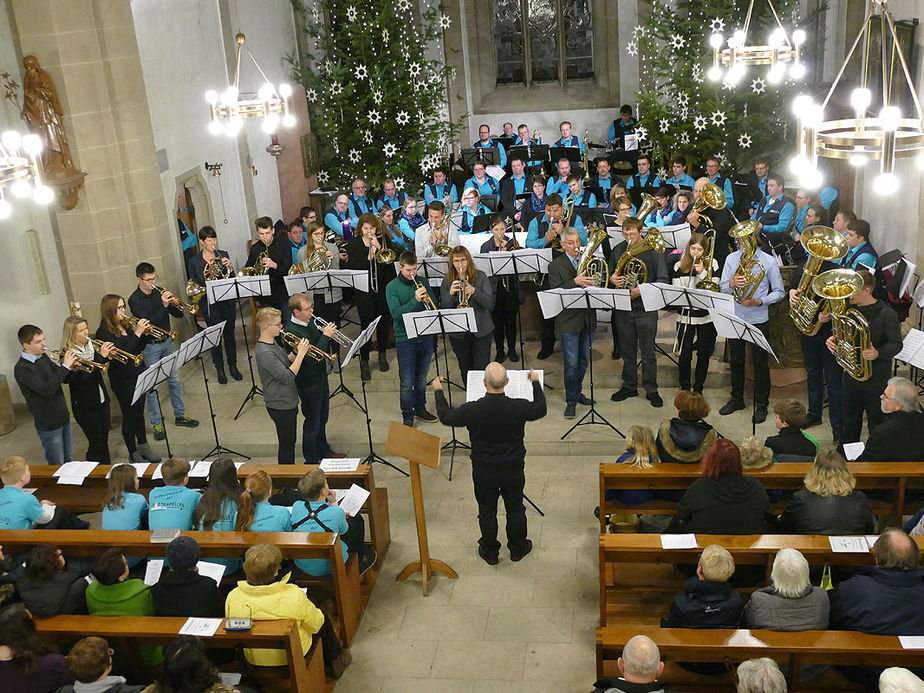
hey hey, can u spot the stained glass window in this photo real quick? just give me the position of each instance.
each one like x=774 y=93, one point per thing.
x=508 y=41
x=579 y=39
x=543 y=40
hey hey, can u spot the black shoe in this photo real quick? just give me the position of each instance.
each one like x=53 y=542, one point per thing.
x=623 y=393
x=760 y=415
x=698 y=389
x=489 y=558
x=501 y=356
x=185 y=421
x=655 y=399
x=222 y=378
x=731 y=407
x=364 y=371
x=615 y=355
x=235 y=373
x=585 y=400
x=526 y=549
x=513 y=356
x=383 y=362
x=570 y=410
x=409 y=423
x=811 y=420
x=424 y=415
x=544 y=353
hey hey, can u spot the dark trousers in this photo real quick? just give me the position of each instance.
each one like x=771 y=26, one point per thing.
x=329 y=641
x=637 y=330
x=133 y=432
x=490 y=482
x=857 y=398
x=355 y=534
x=414 y=356
x=315 y=409
x=369 y=305
x=285 y=420
x=505 y=325
x=95 y=426
x=701 y=339
x=214 y=314
x=822 y=371
x=472 y=353
x=548 y=334
x=761 y=369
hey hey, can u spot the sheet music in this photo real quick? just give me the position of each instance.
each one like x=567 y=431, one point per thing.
x=201 y=627
x=74 y=473
x=918 y=295
x=910 y=268
x=140 y=468
x=853 y=450
x=912 y=642
x=678 y=541
x=158 y=472
x=448 y=320
x=676 y=235
x=352 y=502
x=519 y=386
x=153 y=570
x=849 y=544
x=911 y=352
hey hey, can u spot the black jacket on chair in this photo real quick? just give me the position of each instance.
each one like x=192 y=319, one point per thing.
x=900 y=438
x=809 y=513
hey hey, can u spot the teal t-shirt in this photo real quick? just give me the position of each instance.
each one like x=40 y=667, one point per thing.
x=226 y=524
x=270 y=518
x=131 y=515
x=18 y=509
x=172 y=507
x=335 y=520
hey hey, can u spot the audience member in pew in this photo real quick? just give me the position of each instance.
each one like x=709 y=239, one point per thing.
x=47 y=587
x=791 y=444
x=27 y=664
x=899 y=680
x=761 y=675
x=708 y=600
x=255 y=514
x=686 y=437
x=262 y=597
x=181 y=591
x=722 y=500
x=124 y=508
x=640 y=666
x=915 y=526
x=173 y=505
x=320 y=513
x=900 y=437
x=18 y=509
x=790 y=602
x=754 y=454
x=641 y=452
x=829 y=503
x=89 y=663
x=218 y=506
x=187 y=669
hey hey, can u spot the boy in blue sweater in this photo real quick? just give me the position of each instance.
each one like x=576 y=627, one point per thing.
x=172 y=506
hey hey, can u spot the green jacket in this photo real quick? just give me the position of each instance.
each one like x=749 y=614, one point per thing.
x=128 y=598
x=312 y=372
x=400 y=296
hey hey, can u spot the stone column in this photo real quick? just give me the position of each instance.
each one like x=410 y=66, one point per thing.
x=89 y=49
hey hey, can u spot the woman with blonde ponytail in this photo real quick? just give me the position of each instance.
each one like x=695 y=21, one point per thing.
x=255 y=514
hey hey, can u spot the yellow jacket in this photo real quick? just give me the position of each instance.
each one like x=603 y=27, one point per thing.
x=277 y=600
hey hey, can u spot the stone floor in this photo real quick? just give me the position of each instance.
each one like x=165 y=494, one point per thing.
x=526 y=626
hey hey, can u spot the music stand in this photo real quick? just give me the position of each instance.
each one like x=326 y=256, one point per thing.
x=531 y=153
x=194 y=348
x=237 y=288
x=482 y=223
x=676 y=236
x=554 y=301
x=443 y=322
x=489 y=156
x=520 y=264
x=325 y=281
x=150 y=378
x=733 y=327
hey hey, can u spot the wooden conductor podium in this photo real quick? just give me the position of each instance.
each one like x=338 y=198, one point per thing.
x=418 y=448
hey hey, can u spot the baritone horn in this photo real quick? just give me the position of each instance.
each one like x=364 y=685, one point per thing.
x=848 y=326
x=714 y=197
x=745 y=232
x=594 y=267
x=821 y=243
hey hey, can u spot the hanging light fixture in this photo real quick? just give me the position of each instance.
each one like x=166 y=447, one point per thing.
x=861 y=139
x=780 y=51
x=21 y=170
x=229 y=108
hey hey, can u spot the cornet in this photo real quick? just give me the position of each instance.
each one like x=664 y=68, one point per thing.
x=151 y=330
x=85 y=365
x=293 y=340
x=338 y=337
x=119 y=355
x=463 y=299
x=190 y=308
x=428 y=299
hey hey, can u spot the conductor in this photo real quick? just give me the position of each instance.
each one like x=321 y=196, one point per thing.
x=498 y=455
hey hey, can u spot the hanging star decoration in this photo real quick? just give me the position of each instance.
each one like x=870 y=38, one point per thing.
x=351 y=13
x=445 y=21
x=399 y=183
x=311 y=95
x=377 y=96
x=642 y=133
x=354 y=156
x=718 y=118
x=684 y=113
x=385 y=37
x=677 y=42
x=684 y=138
x=699 y=123
x=403 y=118
x=323 y=177
x=632 y=48
x=374 y=117
x=717 y=25
x=744 y=141
x=336 y=89
x=638 y=31
x=415 y=69
x=683 y=99
x=426 y=164
x=367 y=136
x=389 y=150
x=758 y=86
x=664 y=125
x=698 y=75
x=404 y=5
x=662 y=173
x=361 y=72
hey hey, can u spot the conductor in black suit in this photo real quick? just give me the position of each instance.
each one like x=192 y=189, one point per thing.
x=495 y=426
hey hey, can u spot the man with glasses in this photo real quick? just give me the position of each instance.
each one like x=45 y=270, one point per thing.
x=155 y=306
x=604 y=180
x=484 y=140
x=900 y=437
x=721 y=220
x=360 y=203
x=724 y=182
x=392 y=197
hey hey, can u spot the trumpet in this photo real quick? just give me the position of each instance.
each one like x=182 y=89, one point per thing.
x=293 y=340
x=338 y=337
x=428 y=299
x=463 y=299
x=151 y=330
x=190 y=308
x=85 y=365
x=120 y=355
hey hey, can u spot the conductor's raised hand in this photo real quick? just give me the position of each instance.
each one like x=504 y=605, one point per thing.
x=437 y=384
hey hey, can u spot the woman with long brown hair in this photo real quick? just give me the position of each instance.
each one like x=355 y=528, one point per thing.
x=327 y=302
x=464 y=283
x=122 y=376
x=89 y=396
x=694 y=326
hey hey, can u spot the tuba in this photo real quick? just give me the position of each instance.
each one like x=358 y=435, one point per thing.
x=848 y=326
x=821 y=243
x=594 y=267
x=714 y=197
x=745 y=232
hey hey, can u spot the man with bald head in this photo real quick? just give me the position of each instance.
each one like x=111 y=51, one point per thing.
x=719 y=219
x=496 y=426
x=640 y=666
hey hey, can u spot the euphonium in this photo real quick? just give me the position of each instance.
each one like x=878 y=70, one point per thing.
x=194 y=291
x=258 y=268
x=821 y=243
x=314 y=352
x=151 y=330
x=118 y=354
x=594 y=267
x=649 y=204
x=444 y=249
x=85 y=365
x=745 y=232
x=216 y=269
x=190 y=308
x=629 y=266
x=428 y=299
x=848 y=326
x=565 y=221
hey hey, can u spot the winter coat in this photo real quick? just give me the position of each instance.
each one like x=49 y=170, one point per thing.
x=62 y=594
x=186 y=593
x=768 y=609
x=881 y=601
x=704 y=604
x=731 y=504
x=684 y=442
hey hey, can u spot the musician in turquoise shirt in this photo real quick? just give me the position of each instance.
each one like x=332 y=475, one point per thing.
x=724 y=182
x=173 y=505
x=360 y=203
x=481 y=181
x=484 y=135
x=539 y=226
x=439 y=189
x=559 y=184
x=680 y=177
x=567 y=139
x=581 y=197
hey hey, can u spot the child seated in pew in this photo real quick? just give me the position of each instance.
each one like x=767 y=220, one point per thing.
x=181 y=591
x=27 y=664
x=255 y=514
x=791 y=444
x=642 y=452
x=187 y=667
x=124 y=508
x=217 y=508
x=173 y=505
x=89 y=662
x=708 y=600
x=18 y=509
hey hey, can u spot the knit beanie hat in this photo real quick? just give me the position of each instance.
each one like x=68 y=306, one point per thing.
x=183 y=553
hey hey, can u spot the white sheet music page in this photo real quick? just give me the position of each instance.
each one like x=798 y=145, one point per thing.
x=348 y=464
x=352 y=501
x=853 y=450
x=911 y=352
x=918 y=295
x=519 y=386
x=678 y=541
x=201 y=627
x=849 y=544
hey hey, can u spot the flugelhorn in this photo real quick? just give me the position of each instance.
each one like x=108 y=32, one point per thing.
x=463 y=299
x=338 y=337
x=821 y=243
x=82 y=364
x=190 y=308
x=119 y=355
x=314 y=352
x=151 y=330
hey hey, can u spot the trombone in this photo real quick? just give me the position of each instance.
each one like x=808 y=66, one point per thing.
x=151 y=330
x=119 y=355
x=293 y=340
x=338 y=337
x=428 y=299
x=85 y=365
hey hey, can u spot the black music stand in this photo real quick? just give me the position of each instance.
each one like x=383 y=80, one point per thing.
x=530 y=153
x=443 y=322
x=150 y=379
x=326 y=281
x=238 y=288
x=489 y=156
x=553 y=301
x=558 y=152
x=733 y=327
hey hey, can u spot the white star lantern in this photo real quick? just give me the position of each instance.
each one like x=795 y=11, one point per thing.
x=377 y=96
x=698 y=76
x=677 y=42
x=445 y=21
x=336 y=89
x=404 y=5
x=683 y=99
x=354 y=156
x=415 y=69
x=311 y=95
x=399 y=183
x=403 y=118
x=642 y=133
x=718 y=118
x=662 y=173
x=351 y=13
x=632 y=48
x=664 y=125
x=374 y=117
x=758 y=86
x=699 y=123
x=389 y=150
x=361 y=72
x=367 y=136
x=323 y=177
x=717 y=25
x=638 y=31
x=684 y=138
x=744 y=141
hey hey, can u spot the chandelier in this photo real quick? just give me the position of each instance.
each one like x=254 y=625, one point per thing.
x=229 y=108
x=21 y=171
x=860 y=139
x=780 y=51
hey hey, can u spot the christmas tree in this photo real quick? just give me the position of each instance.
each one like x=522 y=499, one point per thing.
x=376 y=97
x=682 y=112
